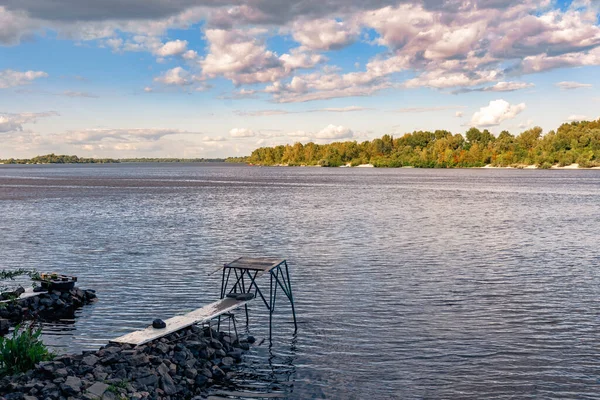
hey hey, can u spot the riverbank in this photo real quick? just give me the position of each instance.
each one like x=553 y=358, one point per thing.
x=179 y=366
x=525 y=166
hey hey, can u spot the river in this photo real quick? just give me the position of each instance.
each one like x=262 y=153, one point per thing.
x=409 y=283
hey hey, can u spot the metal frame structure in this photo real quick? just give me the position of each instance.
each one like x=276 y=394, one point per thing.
x=245 y=273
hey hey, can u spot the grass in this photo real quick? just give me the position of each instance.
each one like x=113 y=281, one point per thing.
x=22 y=350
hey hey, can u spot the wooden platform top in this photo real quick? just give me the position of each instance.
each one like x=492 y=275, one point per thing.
x=179 y=322
x=257 y=264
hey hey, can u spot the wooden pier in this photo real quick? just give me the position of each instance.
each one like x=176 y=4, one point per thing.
x=242 y=273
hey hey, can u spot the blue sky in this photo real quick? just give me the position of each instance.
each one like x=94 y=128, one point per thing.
x=220 y=78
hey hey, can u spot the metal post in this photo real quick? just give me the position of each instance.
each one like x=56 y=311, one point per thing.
x=289 y=283
x=270 y=305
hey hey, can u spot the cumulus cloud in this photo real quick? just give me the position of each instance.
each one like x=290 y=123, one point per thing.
x=242 y=57
x=15 y=122
x=214 y=139
x=459 y=114
x=95 y=136
x=10 y=78
x=172 y=48
x=324 y=34
x=176 y=77
x=495 y=113
x=569 y=85
x=578 y=117
x=343 y=109
x=329 y=133
x=498 y=87
x=446 y=45
x=241 y=133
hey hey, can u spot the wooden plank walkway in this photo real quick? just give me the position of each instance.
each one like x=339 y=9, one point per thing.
x=28 y=293
x=179 y=322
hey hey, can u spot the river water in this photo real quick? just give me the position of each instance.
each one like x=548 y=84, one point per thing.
x=409 y=283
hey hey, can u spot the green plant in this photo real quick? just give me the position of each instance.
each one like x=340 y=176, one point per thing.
x=21 y=351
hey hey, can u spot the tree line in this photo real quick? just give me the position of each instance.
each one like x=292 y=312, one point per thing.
x=59 y=159
x=64 y=159
x=576 y=142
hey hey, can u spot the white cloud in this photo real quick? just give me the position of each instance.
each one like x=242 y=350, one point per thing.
x=214 y=139
x=172 y=48
x=148 y=89
x=343 y=109
x=334 y=132
x=324 y=34
x=329 y=133
x=459 y=114
x=241 y=133
x=578 y=117
x=176 y=77
x=508 y=86
x=190 y=55
x=243 y=58
x=569 y=85
x=495 y=113
x=15 y=122
x=10 y=78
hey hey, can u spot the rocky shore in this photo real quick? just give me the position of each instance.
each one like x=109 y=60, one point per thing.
x=179 y=366
x=47 y=305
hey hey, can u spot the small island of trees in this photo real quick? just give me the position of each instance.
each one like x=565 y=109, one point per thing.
x=576 y=142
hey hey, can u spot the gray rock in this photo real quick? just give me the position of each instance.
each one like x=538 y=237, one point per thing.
x=90 y=360
x=150 y=380
x=200 y=380
x=138 y=360
x=191 y=373
x=97 y=389
x=163 y=370
x=61 y=372
x=71 y=386
x=163 y=348
x=227 y=361
x=167 y=384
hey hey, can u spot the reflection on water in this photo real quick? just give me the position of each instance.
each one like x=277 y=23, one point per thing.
x=408 y=283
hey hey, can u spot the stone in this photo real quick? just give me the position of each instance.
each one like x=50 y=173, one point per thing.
x=191 y=373
x=90 y=360
x=163 y=348
x=163 y=370
x=158 y=324
x=139 y=360
x=167 y=384
x=61 y=372
x=4 y=325
x=72 y=385
x=250 y=339
x=46 y=301
x=200 y=380
x=235 y=354
x=97 y=389
x=227 y=361
x=217 y=372
x=150 y=380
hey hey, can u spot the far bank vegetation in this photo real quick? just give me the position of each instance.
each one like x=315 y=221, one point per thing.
x=577 y=142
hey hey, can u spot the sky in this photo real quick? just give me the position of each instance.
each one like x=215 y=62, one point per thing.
x=218 y=78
